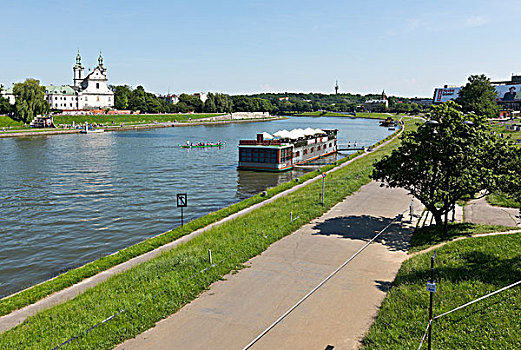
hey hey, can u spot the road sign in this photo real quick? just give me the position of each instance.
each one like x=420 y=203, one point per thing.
x=181 y=200
x=431 y=287
x=324 y=174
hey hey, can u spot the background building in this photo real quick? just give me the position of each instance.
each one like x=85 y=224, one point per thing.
x=87 y=92
x=508 y=93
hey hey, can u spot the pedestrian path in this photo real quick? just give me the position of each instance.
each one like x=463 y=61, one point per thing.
x=479 y=211
x=236 y=310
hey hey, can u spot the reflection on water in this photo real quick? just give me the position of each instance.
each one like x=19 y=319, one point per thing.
x=69 y=199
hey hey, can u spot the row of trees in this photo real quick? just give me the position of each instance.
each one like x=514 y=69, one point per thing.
x=139 y=100
x=477 y=96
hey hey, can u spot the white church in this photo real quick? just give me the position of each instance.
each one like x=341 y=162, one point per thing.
x=88 y=92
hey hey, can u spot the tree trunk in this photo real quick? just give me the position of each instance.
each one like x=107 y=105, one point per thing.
x=437 y=217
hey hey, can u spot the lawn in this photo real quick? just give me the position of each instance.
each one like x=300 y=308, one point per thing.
x=464 y=270
x=161 y=286
x=6 y=122
x=502 y=200
x=129 y=119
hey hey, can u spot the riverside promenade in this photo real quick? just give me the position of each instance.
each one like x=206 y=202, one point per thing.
x=236 y=310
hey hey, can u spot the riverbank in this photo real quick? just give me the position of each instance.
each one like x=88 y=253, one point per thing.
x=464 y=269
x=347 y=180
x=124 y=127
x=365 y=115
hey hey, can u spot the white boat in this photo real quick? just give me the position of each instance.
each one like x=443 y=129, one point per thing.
x=90 y=130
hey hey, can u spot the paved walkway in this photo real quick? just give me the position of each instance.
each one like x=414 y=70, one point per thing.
x=234 y=311
x=478 y=211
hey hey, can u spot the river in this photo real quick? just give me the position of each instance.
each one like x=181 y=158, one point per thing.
x=70 y=199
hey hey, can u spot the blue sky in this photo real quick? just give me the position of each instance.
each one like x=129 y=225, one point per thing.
x=404 y=47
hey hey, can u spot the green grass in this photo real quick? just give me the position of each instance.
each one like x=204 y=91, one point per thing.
x=128 y=119
x=425 y=237
x=6 y=121
x=156 y=285
x=464 y=270
x=502 y=200
x=500 y=128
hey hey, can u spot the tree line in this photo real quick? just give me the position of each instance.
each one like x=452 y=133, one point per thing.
x=477 y=96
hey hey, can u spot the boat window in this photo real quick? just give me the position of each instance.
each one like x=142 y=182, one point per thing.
x=297 y=154
x=311 y=150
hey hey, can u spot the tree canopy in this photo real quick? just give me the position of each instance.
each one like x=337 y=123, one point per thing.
x=5 y=106
x=446 y=159
x=478 y=96
x=30 y=100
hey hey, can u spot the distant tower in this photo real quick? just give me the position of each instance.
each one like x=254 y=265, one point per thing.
x=336 y=87
x=384 y=96
x=78 y=70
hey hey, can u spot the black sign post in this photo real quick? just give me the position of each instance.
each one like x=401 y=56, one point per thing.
x=182 y=201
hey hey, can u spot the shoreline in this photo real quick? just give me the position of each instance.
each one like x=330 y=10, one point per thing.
x=206 y=122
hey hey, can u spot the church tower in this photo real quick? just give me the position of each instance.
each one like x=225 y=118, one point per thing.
x=100 y=64
x=78 y=70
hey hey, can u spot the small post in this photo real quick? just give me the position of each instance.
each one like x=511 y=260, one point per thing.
x=290 y=216
x=210 y=256
x=411 y=210
x=323 y=186
x=182 y=217
x=431 y=287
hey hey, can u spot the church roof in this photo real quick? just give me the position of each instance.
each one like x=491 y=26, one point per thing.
x=59 y=90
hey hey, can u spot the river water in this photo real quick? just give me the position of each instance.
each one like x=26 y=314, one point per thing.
x=69 y=199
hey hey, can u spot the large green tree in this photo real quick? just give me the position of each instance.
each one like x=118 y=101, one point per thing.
x=122 y=95
x=30 y=100
x=446 y=159
x=478 y=96
x=5 y=106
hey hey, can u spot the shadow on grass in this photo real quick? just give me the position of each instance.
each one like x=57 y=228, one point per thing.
x=431 y=235
x=395 y=237
x=472 y=265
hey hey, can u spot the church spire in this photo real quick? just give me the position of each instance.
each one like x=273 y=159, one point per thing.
x=100 y=60
x=78 y=60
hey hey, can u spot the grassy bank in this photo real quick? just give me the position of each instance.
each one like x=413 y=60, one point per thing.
x=6 y=122
x=136 y=119
x=502 y=200
x=464 y=270
x=159 y=287
x=129 y=119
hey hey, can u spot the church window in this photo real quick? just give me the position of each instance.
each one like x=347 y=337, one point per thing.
x=97 y=85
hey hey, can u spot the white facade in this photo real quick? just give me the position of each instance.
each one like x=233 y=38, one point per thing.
x=87 y=92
